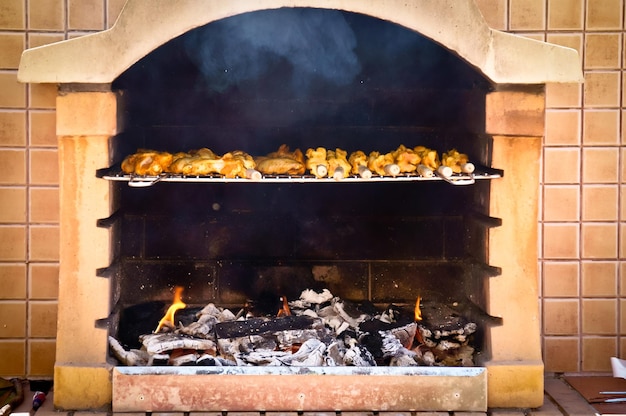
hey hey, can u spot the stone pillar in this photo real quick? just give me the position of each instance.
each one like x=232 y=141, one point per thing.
x=515 y=370
x=86 y=122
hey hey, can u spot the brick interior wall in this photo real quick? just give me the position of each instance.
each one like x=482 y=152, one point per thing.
x=582 y=218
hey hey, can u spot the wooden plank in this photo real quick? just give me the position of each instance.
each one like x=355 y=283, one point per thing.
x=572 y=403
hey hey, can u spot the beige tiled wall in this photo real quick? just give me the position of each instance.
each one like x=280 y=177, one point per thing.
x=582 y=221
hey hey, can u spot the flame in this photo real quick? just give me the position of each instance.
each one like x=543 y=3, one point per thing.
x=284 y=311
x=418 y=311
x=177 y=303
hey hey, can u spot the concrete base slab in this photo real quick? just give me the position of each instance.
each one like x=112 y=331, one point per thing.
x=192 y=389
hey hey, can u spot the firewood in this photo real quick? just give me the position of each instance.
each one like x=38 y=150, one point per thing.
x=158 y=343
x=255 y=326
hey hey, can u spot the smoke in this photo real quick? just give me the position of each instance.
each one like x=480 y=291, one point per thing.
x=315 y=45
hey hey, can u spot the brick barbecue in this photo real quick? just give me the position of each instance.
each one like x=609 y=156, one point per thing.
x=496 y=93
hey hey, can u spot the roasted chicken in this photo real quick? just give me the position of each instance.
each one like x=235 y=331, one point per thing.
x=384 y=164
x=317 y=162
x=406 y=159
x=338 y=166
x=358 y=162
x=458 y=162
x=428 y=157
x=281 y=162
x=147 y=162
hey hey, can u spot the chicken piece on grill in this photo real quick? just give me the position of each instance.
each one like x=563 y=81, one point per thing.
x=358 y=162
x=406 y=159
x=281 y=162
x=147 y=162
x=338 y=166
x=458 y=162
x=317 y=162
x=181 y=163
x=383 y=164
x=429 y=157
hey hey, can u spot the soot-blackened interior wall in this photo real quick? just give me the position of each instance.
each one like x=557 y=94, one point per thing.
x=337 y=80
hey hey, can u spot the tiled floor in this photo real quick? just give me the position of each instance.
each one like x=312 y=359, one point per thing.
x=560 y=400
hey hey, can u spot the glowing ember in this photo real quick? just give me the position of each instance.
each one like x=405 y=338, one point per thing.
x=418 y=311
x=177 y=303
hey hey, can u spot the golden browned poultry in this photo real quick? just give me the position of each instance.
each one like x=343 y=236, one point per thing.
x=384 y=164
x=147 y=162
x=181 y=163
x=338 y=166
x=317 y=162
x=281 y=162
x=406 y=159
x=358 y=163
x=458 y=162
x=429 y=157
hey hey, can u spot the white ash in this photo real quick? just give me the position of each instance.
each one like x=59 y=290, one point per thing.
x=333 y=338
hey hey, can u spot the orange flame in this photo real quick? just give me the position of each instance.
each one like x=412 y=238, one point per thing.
x=177 y=303
x=284 y=311
x=418 y=311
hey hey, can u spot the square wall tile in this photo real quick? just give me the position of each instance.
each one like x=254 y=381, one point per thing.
x=44 y=281
x=12 y=243
x=601 y=127
x=43 y=319
x=599 y=278
x=114 y=8
x=13 y=355
x=44 y=167
x=561 y=203
x=43 y=129
x=604 y=14
x=86 y=14
x=12 y=319
x=599 y=316
x=494 y=12
x=600 y=202
x=11 y=47
x=561 y=354
x=12 y=15
x=527 y=15
x=560 y=279
x=43 y=96
x=13 y=204
x=599 y=240
x=41 y=357
x=13 y=93
x=44 y=243
x=560 y=241
x=562 y=128
x=40 y=39
x=560 y=316
x=46 y=15
x=12 y=128
x=602 y=51
x=564 y=95
x=13 y=278
x=12 y=167
x=600 y=165
x=565 y=14
x=561 y=165
x=622 y=277
x=602 y=89
x=597 y=353
x=44 y=205
x=570 y=40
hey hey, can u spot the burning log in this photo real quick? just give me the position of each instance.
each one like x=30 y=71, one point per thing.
x=319 y=329
x=256 y=326
x=159 y=343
